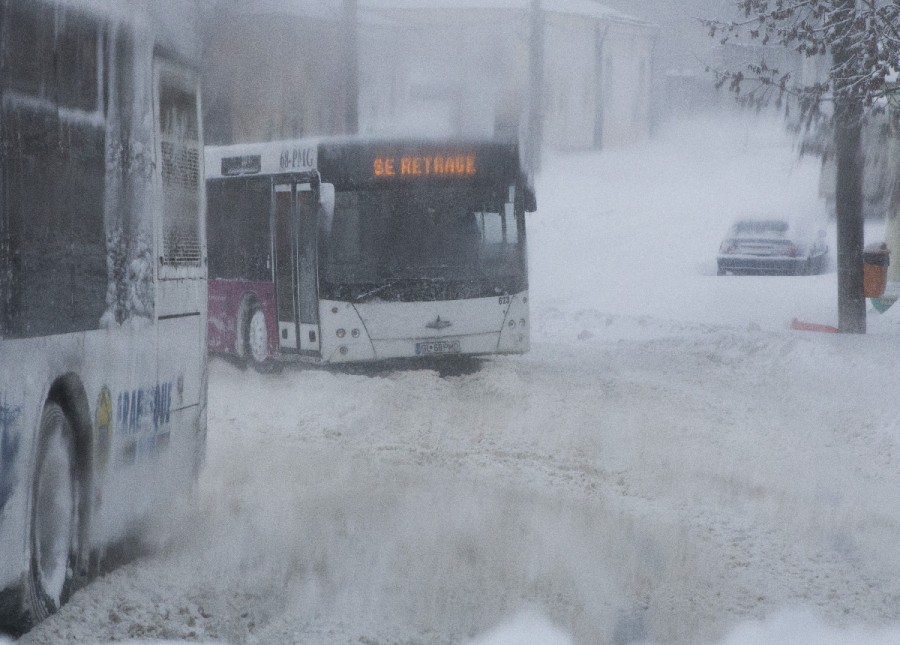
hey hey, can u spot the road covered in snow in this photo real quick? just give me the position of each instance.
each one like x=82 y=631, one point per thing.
x=669 y=464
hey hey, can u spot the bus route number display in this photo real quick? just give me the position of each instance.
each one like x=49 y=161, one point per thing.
x=297 y=159
x=411 y=166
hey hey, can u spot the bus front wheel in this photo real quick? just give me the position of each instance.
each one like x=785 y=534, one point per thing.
x=54 y=517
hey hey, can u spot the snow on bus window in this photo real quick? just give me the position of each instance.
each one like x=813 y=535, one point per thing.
x=53 y=270
x=78 y=67
x=60 y=64
x=180 y=170
x=30 y=45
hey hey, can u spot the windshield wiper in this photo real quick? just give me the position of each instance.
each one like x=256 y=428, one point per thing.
x=376 y=290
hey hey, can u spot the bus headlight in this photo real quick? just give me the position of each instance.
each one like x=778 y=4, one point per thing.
x=355 y=333
x=341 y=332
x=512 y=323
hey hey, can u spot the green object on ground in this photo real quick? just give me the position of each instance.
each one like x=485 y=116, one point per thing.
x=883 y=304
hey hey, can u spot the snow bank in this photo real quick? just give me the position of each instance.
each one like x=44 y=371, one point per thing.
x=804 y=627
x=788 y=627
x=526 y=629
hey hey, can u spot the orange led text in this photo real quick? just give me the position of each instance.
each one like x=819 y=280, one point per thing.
x=425 y=165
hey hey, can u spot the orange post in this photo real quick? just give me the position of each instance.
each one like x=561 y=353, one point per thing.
x=874 y=280
x=875 y=264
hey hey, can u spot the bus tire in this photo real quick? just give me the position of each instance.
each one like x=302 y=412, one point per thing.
x=54 y=530
x=256 y=339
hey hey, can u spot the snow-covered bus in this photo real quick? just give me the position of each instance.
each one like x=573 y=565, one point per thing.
x=102 y=286
x=347 y=250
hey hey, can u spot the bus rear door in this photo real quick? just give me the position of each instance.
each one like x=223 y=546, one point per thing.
x=181 y=290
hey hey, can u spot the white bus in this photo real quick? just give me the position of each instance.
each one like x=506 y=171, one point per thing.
x=362 y=250
x=102 y=286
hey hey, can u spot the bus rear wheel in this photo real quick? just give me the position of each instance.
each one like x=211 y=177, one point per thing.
x=54 y=518
x=256 y=340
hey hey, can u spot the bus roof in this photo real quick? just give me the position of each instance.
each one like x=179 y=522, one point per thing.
x=354 y=160
x=266 y=158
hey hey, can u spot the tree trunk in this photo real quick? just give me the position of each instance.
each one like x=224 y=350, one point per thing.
x=848 y=196
x=848 y=106
x=892 y=225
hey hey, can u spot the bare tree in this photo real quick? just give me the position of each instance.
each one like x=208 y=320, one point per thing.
x=862 y=39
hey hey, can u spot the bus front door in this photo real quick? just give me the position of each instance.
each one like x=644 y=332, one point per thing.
x=295 y=268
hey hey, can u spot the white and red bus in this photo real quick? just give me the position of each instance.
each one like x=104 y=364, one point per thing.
x=102 y=286
x=352 y=250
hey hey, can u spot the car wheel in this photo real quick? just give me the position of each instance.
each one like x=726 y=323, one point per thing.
x=256 y=340
x=54 y=518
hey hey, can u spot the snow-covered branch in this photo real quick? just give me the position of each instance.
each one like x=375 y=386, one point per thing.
x=862 y=39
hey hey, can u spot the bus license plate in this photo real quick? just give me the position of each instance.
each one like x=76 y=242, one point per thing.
x=437 y=347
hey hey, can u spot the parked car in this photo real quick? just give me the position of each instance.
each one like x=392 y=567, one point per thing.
x=771 y=245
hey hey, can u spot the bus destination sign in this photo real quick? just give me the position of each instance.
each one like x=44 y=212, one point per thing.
x=243 y=165
x=303 y=158
x=453 y=166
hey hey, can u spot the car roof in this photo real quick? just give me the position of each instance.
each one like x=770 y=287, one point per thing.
x=761 y=225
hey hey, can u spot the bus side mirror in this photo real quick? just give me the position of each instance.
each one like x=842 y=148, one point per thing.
x=530 y=199
x=326 y=202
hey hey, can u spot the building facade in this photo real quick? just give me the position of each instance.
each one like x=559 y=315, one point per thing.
x=468 y=68
x=274 y=70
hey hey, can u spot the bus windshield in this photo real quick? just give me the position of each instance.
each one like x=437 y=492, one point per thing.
x=433 y=242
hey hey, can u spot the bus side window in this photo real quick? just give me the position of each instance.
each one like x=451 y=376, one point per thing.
x=499 y=228
x=54 y=174
x=29 y=49
x=326 y=212
x=238 y=229
x=78 y=53
x=491 y=227
x=509 y=223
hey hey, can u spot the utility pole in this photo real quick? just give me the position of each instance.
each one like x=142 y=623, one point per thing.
x=351 y=66
x=535 y=134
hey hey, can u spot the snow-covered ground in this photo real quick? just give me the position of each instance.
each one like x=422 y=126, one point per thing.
x=670 y=464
